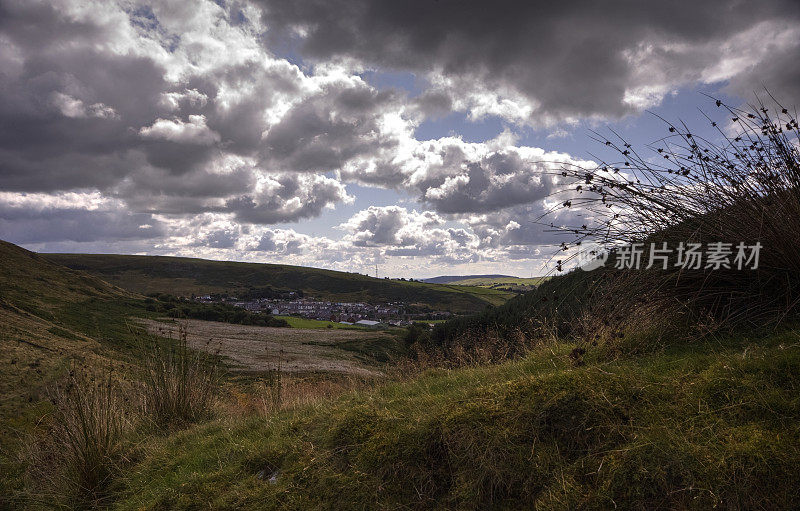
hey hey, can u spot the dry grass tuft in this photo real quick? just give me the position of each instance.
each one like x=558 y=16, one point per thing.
x=75 y=462
x=179 y=383
x=740 y=186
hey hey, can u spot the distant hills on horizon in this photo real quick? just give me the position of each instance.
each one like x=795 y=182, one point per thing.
x=181 y=276
x=449 y=279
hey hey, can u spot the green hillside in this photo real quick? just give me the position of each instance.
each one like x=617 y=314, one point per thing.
x=51 y=318
x=186 y=276
x=710 y=422
x=37 y=284
x=709 y=425
x=47 y=313
x=493 y=281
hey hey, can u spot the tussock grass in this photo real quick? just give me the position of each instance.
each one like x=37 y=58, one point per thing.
x=74 y=464
x=94 y=416
x=741 y=185
x=179 y=383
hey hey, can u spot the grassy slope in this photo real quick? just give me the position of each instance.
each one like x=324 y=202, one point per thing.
x=534 y=281
x=691 y=427
x=46 y=313
x=51 y=317
x=184 y=276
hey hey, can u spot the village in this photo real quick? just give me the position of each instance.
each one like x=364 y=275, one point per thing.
x=347 y=313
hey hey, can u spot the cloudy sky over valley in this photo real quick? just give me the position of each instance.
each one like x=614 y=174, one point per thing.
x=422 y=136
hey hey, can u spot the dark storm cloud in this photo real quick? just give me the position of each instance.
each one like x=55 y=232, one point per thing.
x=176 y=123
x=221 y=238
x=409 y=234
x=283 y=243
x=389 y=225
x=108 y=99
x=154 y=189
x=574 y=59
x=70 y=109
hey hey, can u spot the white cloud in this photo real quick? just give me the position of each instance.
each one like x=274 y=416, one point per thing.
x=193 y=131
x=175 y=121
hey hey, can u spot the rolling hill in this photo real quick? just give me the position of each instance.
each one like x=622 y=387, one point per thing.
x=452 y=279
x=51 y=319
x=186 y=276
x=499 y=283
x=43 y=307
x=498 y=280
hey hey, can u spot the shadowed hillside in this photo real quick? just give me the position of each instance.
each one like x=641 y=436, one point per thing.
x=50 y=313
x=43 y=311
x=185 y=276
x=51 y=318
x=451 y=279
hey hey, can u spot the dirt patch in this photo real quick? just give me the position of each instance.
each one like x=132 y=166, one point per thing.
x=256 y=349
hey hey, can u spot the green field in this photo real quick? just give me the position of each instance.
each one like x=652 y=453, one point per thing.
x=511 y=286
x=296 y=322
x=186 y=276
x=519 y=281
x=54 y=319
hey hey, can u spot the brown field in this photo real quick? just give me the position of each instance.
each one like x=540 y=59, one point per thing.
x=258 y=349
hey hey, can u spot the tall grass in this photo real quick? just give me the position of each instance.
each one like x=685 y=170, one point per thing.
x=470 y=348
x=75 y=463
x=742 y=185
x=179 y=383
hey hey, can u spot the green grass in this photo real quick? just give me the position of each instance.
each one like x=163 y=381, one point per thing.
x=714 y=423
x=694 y=426
x=186 y=276
x=491 y=281
x=296 y=322
x=491 y=296
x=52 y=319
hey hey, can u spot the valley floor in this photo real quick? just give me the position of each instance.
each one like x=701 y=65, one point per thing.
x=255 y=349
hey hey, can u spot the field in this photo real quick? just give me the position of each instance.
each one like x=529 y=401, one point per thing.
x=296 y=322
x=519 y=281
x=255 y=349
x=510 y=286
x=634 y=423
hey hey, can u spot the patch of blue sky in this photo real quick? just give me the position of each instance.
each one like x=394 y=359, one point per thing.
x=403 y=80
x=458 y=124
x=640 y=130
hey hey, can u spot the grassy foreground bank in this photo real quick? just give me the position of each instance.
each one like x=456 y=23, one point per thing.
x=714 y=423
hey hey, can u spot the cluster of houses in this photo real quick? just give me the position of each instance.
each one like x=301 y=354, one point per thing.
x=330 y=311
x=352 y=313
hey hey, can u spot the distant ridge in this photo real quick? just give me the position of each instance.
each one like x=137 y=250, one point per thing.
x=181 y=276
x=448 y=279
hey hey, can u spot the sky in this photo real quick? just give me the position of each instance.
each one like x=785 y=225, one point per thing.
x=422 y=137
